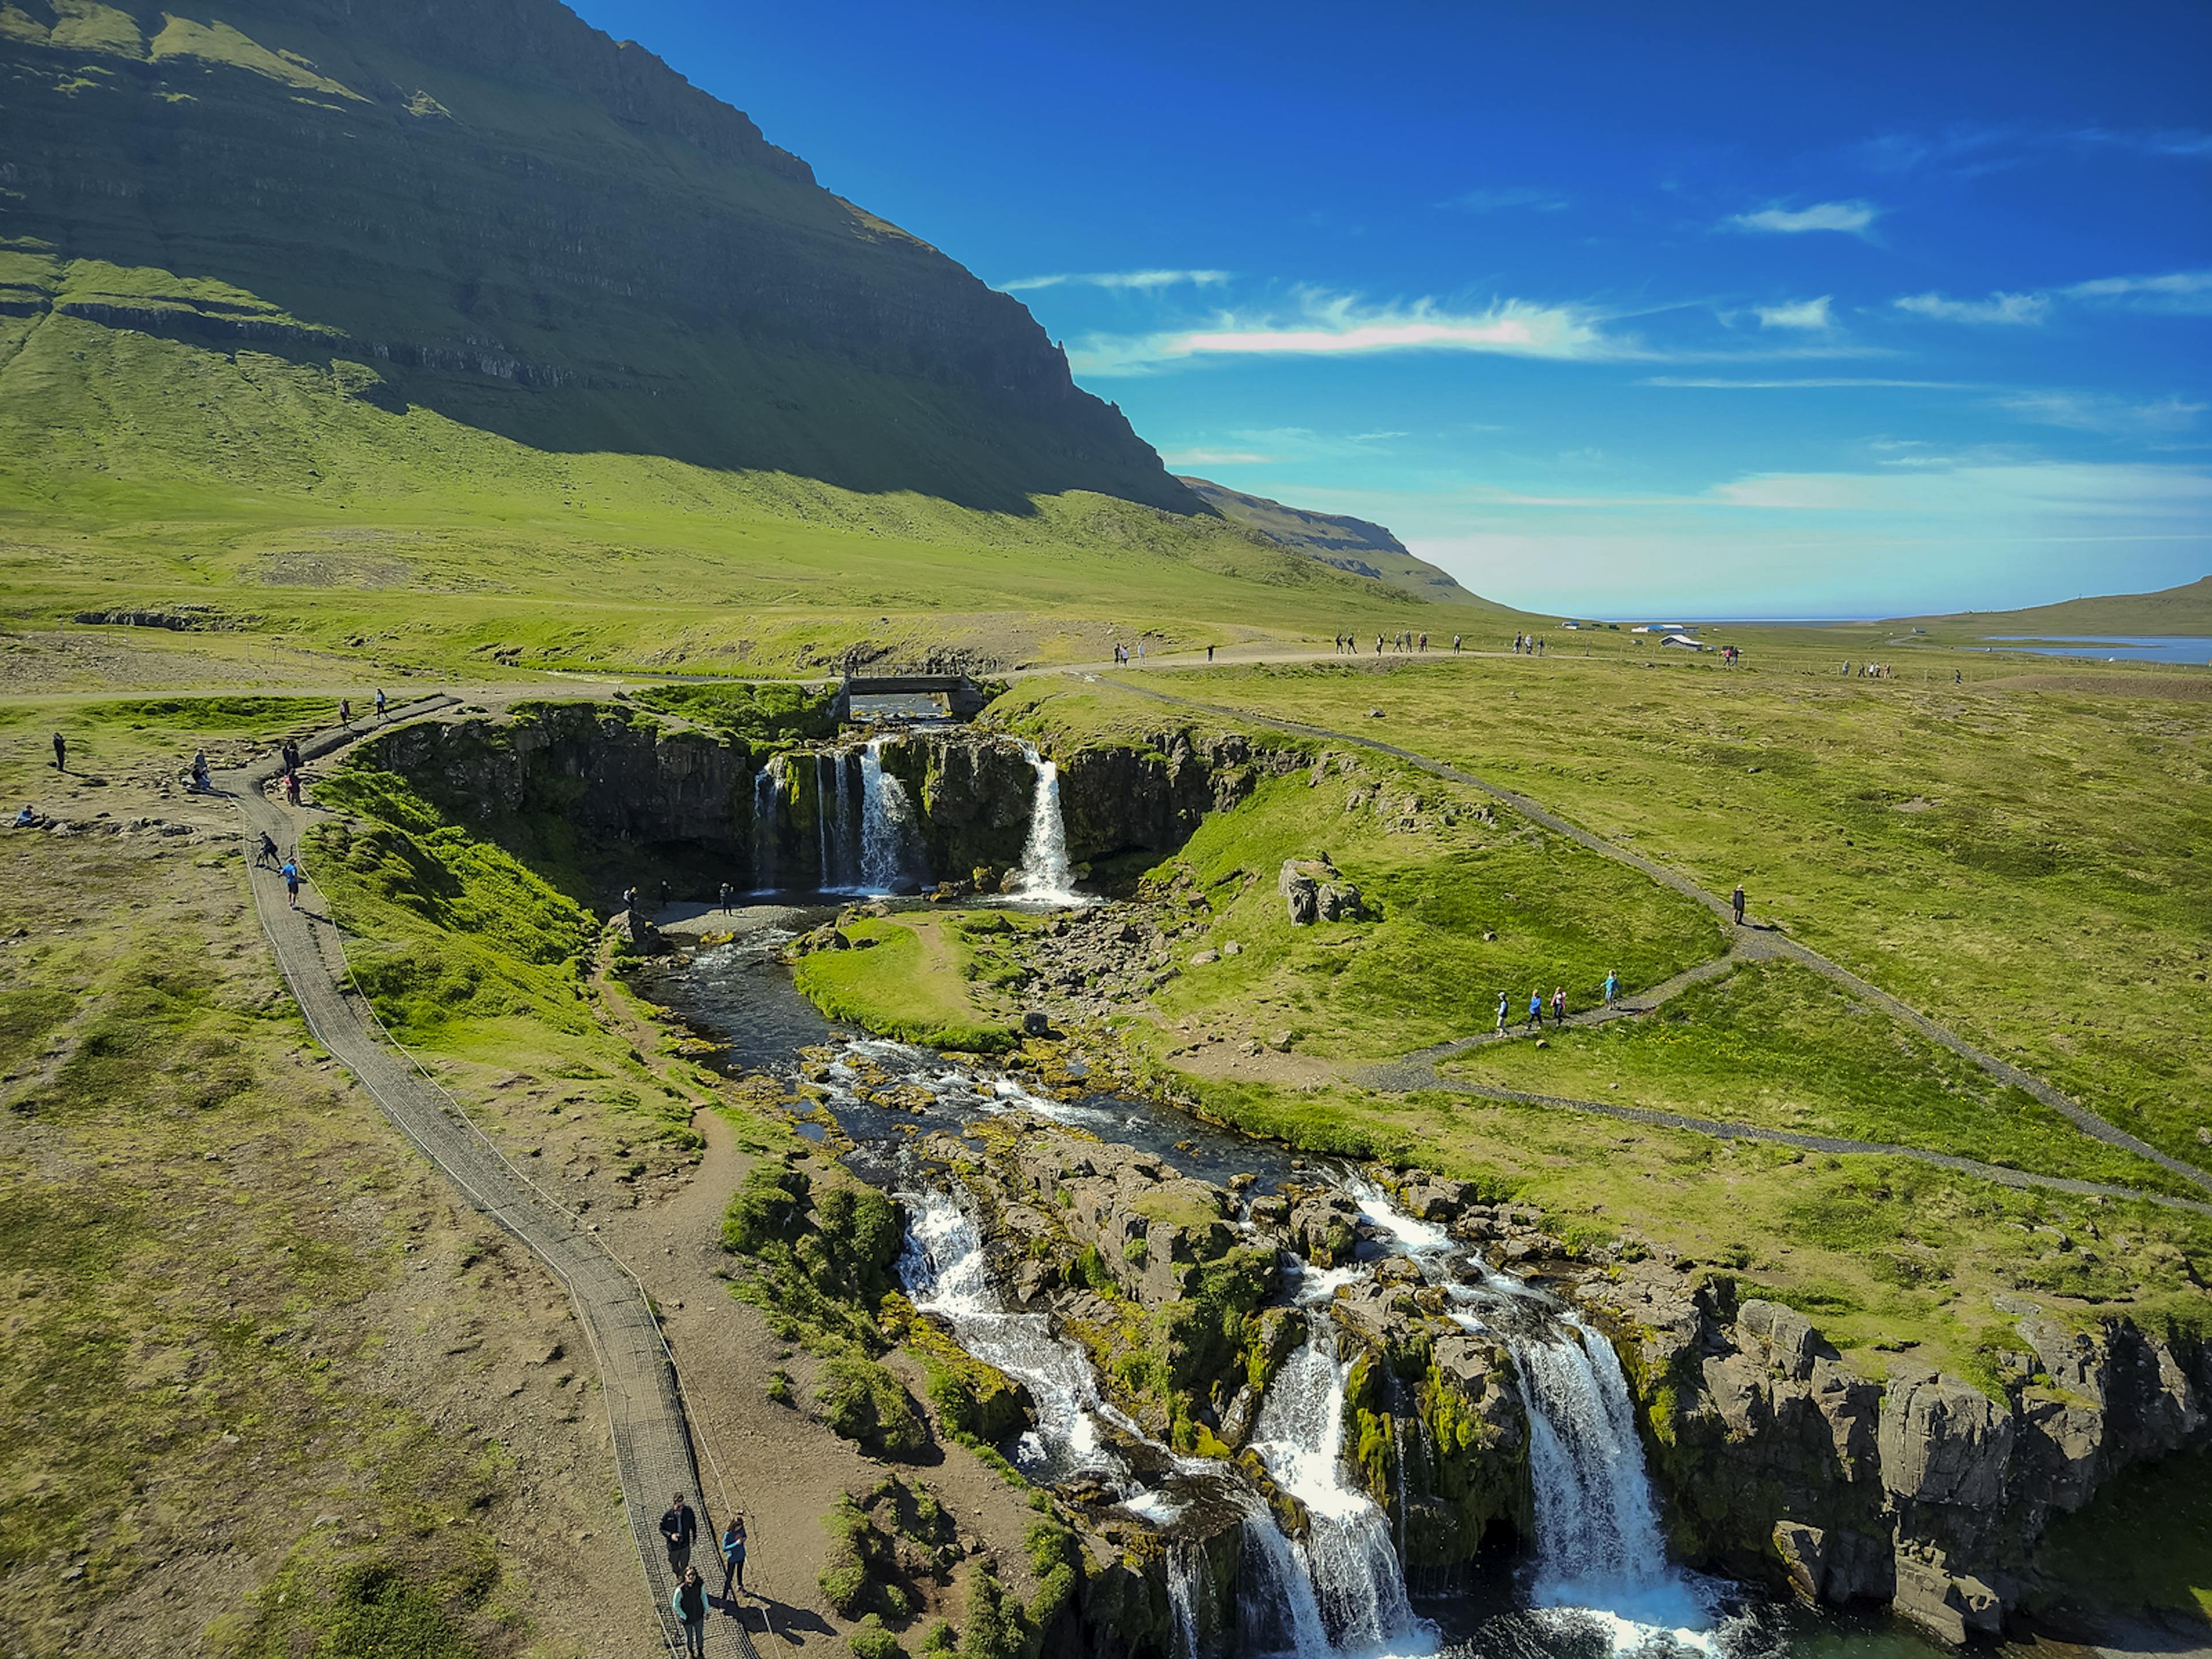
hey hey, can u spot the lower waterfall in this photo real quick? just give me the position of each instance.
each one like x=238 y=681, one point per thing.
x=1045 y=872
x=768 y=814
x=888 y=854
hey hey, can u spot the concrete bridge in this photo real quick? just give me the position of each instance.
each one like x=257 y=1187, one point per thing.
x=908 y=696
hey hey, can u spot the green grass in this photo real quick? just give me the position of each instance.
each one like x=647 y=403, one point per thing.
x=1775 y=1045
x=2143 y=1545
x=911 y=982
x=132 y=735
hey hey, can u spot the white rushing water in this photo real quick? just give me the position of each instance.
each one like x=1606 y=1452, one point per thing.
x=1045 y=872
x=1357 y=1582
x=888 y=853
x=945 y=1269
x=1600 y=1553
x=768 y=816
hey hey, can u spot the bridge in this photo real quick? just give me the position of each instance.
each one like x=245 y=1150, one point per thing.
x=877 y=697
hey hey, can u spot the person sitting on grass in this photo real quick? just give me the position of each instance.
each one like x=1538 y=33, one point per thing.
x=27 y=817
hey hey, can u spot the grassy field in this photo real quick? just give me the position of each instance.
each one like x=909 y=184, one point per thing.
x=2025 y=865
x=910 y=979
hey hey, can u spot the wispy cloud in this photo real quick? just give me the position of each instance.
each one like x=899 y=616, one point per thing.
x=1141 y=280
x=1801 y=313
x=1499 y=200
x=1807 y=384
x=2187 y=292
x=1216 y=457
x=1346 y=325
x=2068 y=488
x=2097 y=412
x=1968 y=149
x=1999 y=308
x=1852 y=218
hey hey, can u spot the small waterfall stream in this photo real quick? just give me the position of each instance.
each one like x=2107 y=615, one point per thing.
x=1045 y=871
x=888 y=856
x=768 y=816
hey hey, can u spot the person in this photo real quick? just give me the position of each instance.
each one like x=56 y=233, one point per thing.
x=345 y=713
x=1454 y=642
x=725 y=898
x=629 y=898
x=200 y=781
x=27 y=817
x=1612 y=987
x=679 y=1525
x=379 y=703
x=734 y=1558
x=688 y=1601
x=1957 y=678
x=266 y=859
x=664 y=896
x=1559 y=1005
x=61 y=753
x=291 y=874
x=1209 y=653
x=1378 y=645
x=1736 y=899
x=1502 y=1007
x=292 y=787
x=1535 y=1022
x=291 y=754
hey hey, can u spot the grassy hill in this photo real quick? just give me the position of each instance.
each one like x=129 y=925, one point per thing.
x=1346 y=543
x=2186 y=610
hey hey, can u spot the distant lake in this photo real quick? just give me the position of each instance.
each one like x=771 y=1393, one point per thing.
x=2121 y=647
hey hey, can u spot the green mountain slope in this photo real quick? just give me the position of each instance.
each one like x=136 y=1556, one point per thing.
x=2186 y=610
x=495 y=213
x=1349 y=544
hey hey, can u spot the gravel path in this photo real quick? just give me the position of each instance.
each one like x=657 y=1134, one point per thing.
x=1771 y=944
x=637 y=1375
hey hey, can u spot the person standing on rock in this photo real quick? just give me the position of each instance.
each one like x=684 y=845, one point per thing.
x=689 y=1602
x=679 y=1525
x=61 y=753
x=733 y=1560
x=629 y=900
x=725 y=898
x=291 y=874
x=1736 y=900
x=1612 y=987
x=1536 y=1021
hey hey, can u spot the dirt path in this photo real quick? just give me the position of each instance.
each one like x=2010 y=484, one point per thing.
x=2004 y=1070
x=637 y=1375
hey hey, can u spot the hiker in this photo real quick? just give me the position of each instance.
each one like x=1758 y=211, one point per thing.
x=27 y=817
x=689 y=1602
x=1736 y=899
x=291 y=874
x=679 y=1525
x=266 y=858
x=734 y=1558
x=291 y=754
x=1454 y=643
x=292 y=787
x=1612 y=987
x=1957 y=678
x=379 y=703
x=345 y=713
x=1141 y=651
x=725 y=898
x=1536 y=1021
x=1502 y=1007
x=1559 y=1005
x=1209 y=653
x=1425 y=640
x=61 y=753
x=1378 y=645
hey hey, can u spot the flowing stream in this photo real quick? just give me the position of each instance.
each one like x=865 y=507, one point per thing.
x=1045 y=871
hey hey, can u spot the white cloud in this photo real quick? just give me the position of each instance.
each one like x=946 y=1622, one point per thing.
x=2004 y=308
x=1801 y=314
x=1141 y=280
x=1217 y=457
x=1719 y=384
x=2188 y=293
x=2039 y=490
x=1344 y=325
x=1852 y=218
x=2188 y=143
x=1510 y=195
x=2094 y=412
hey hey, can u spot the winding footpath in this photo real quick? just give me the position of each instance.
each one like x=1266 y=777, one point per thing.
x=653 y=1441
x=1761 y=942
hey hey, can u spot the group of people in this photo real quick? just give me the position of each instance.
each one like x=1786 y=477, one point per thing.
x=1610 y=992
x=1528 y=644
x=679 y=1530
x=1348 y=645
x=1121 y=653
x=1878 y=670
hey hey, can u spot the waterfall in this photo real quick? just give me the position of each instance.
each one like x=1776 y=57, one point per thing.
x=1186 y=1591
x=1045 y=872
x=886 y=826
x=1276 y=1611
x=945 y=1271
x=1356 y=1578
x=828 y=808
x=1598 y=1542
x=768 y=814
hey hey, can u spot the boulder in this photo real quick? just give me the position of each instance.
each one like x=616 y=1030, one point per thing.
x=1950 y=1605
x=1804 y=1553
x=1943 y=1441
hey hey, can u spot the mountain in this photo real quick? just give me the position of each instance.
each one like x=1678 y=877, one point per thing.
x=213 y=226
x=1349 y=544
x=2186 y=610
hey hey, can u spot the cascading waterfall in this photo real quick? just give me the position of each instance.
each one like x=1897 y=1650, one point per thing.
x=1045 y=872
x=1186 y=1591
x=1599 y=1547
x=768 y=814
x=887 y=864
x=1354 y=1571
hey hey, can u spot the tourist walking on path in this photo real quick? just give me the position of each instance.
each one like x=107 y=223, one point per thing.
x=689 y=1602
x=679 y=1525
x=1209 y=653
x=266 y=858
x=291 y=754
x=291 y=874
x=1612 y=987
x=1736 y=900
x=734 y=1558
x=1502 y=1006
x=1535 y=1022
x=292 y=788
x=1454 y=643
x=1559 y=1005
x=61 y=753
x=379 y=703
x=345 y=713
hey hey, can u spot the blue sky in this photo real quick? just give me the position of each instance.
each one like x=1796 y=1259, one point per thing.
x=1793 y=312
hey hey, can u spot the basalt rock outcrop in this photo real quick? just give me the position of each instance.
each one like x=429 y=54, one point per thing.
x=1123 y=798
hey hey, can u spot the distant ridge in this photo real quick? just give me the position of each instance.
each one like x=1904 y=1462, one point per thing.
x=2186 y=610
x=1349 y=544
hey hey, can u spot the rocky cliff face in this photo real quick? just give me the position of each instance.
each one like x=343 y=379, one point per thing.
x=1123 y=798
x=496 y=211
x=1921 y=1490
